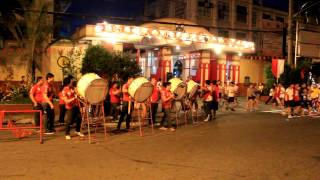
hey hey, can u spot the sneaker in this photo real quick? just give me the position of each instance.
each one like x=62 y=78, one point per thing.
x=163 y=128
x=68 y=137
x=290 y=117
x=172 y=129
x=79 y=134
x=234 y=109
x=207 y=119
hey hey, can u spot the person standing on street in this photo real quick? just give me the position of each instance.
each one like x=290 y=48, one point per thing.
x=73 y=114
x=36 y=97
x=47 y=103
x=127 y=106
x=167 y=98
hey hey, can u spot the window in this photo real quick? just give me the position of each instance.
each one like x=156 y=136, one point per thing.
x=223 y=11
x=266 y=16
x=180 y=7
x=254 y=19
x=241 y=35
x=242 y=14
x=205 y=8
x=280 y=19
x=223 y=33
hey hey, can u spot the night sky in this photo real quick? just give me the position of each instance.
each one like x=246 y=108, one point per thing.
x=121 y=8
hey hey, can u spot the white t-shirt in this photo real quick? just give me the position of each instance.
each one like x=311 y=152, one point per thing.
x=289 y=93
x=231 y=91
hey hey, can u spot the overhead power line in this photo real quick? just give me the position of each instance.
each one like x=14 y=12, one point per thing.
x=140 y=21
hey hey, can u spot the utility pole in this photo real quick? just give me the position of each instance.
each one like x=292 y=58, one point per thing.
x=290 y=42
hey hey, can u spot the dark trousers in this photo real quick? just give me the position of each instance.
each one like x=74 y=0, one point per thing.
x=49 y=120
x=73 y=116
x=114 y=110
x=154 y=110
x=166 y=121
x=37 y=115
x=62 y=108
x=207 y=107
x=124 y=114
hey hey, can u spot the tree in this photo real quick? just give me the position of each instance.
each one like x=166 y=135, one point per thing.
x=31 y=26
x=106 y=64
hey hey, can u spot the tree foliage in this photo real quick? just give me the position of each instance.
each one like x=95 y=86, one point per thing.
x=106 y=64
x=31 y=26
x=290 y=75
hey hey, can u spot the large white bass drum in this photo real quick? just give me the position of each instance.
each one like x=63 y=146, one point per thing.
x=140 y=89
x=92 y=88
x=192 y=88
x=178 y=88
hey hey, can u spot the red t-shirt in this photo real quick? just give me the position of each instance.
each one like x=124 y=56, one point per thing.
x=165 y=93
x=48 y=90
x=155 y=95
x=69 y=93
x=113 y=97
x=126 y=96
x=37 y=93
x=61 y=101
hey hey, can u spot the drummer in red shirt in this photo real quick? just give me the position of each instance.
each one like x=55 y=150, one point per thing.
x=73 y=114
x=114 y=93
x=167 y=98
x=47 y=103
x=154 y=99
x=125 y=113
x=35 y=95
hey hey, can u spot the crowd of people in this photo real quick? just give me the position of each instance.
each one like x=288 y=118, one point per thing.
x=295 y=100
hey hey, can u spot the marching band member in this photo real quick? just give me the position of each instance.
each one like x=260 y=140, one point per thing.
x=36 y=97
x=114 y=93
x=73 y=114
x=215 y=98
x=62 y=106
x=47 y=103
x=207 y=99
x=231 y=92
x=167 y=98
x=154 y=101
x=126 y=105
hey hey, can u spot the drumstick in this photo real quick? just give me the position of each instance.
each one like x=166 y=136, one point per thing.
x=129 y=107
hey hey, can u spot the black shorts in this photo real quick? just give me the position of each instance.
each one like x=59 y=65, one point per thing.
x=252 y=97
x=214 y=105
x=230 y=99
x=290 y=103
x=306 y=103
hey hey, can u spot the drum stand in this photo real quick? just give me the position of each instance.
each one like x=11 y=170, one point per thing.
x=93 y=119
x=194 y=116
x=148 y=106
x=177 y=110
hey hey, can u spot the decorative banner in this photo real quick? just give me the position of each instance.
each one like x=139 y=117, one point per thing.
x=277 y=67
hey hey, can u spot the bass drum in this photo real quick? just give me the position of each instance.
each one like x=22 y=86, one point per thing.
x=178 y=88
x=92 y=88
x=192 y=88
x=140 y=89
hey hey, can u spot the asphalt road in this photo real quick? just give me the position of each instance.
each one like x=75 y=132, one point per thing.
x=238 y=145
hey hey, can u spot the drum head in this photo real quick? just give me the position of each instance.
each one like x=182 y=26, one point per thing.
x=143 y=92
x=180 y=91
x=96 y=91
